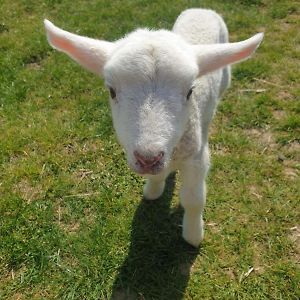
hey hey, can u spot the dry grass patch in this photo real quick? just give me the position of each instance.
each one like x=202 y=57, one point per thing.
x=62 y=216
x=255 y=191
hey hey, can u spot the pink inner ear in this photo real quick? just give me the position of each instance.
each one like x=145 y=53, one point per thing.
x=63 y=44
x=242 y=54
x=75 y=52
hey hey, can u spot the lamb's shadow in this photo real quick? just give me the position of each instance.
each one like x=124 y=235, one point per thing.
x=159 y=261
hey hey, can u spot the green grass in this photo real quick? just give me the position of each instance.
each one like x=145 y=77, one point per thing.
x=73 y=224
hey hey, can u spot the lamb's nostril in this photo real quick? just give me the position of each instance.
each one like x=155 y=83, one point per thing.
x=148 y=161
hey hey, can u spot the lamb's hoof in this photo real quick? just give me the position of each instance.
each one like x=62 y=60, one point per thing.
x=153 y=191
x=193 y=239
x=193 y=233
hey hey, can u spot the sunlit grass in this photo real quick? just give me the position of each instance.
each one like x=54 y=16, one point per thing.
x=73 y=224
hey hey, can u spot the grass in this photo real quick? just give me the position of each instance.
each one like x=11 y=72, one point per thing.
x=73 y=225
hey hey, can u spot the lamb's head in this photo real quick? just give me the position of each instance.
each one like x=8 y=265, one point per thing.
x=150 y=76
x=150 y=82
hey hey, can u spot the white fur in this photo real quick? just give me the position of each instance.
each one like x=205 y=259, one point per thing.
x=152 y=73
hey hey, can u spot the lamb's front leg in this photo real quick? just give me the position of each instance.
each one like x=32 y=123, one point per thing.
x=154 y=186
x=192 y=198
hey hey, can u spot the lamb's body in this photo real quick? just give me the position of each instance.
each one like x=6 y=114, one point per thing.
x=160 y=119
x=201 y=26
x=191 y=156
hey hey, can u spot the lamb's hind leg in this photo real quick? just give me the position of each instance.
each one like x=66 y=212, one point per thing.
x=192 y=197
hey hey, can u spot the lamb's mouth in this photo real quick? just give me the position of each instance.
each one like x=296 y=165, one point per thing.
x=153 y=170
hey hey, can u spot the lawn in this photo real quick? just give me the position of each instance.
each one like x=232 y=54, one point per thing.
x=73 y=223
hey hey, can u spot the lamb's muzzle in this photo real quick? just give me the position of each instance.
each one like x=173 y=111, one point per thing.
x=149 y=164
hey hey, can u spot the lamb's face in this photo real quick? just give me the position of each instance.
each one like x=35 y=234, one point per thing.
x=150 y=88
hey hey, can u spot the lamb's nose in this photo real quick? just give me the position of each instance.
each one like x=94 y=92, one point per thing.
x=148 y=161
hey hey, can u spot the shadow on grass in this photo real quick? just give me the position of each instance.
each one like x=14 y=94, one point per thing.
x=159 y=261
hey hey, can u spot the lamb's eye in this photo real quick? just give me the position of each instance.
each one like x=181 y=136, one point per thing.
x=189 y=94
x=112 y=93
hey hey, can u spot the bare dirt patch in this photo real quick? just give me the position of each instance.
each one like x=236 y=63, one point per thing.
x=284 y=95
x=33 y=66
x=18 y=296
x=12 y=275
x=258 y=264
x=29 y=192
x=230 y=273
x=264 y=138
x=220 y=150
x=293 y=149
x=295 y=238
x=291 y=173
x=279 y=114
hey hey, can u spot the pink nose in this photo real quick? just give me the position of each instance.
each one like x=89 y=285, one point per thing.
x=148 y=161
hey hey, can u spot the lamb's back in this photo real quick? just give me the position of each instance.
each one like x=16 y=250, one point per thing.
x=201 y=26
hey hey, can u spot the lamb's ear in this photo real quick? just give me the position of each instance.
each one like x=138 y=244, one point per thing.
x=89 y=53
x=216 y=56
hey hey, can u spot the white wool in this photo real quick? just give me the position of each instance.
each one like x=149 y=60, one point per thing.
x=151 y=73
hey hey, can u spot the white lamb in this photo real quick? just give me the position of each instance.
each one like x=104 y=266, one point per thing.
x=164 y=87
